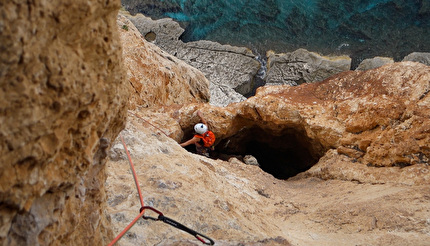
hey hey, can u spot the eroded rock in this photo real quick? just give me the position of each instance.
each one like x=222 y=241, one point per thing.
x=229 y=69
x=375 y=62
x=377 y=118
x=333 y=140
x=155 y=77
x=302 y=66
x=422 y=57
x=62 y=103
x=234 y=203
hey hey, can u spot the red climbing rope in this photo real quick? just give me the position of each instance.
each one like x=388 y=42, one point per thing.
x=202 y=238
x=138 y=190
x=133 y=170
x=127 y=228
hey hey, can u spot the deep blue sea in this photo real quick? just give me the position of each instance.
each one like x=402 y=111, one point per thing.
x=358 y=28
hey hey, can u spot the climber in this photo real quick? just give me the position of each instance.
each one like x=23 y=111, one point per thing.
x=204 y=138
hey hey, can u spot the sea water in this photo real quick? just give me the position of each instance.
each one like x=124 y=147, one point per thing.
x=360 y=28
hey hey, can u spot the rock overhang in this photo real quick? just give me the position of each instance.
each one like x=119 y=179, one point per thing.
x=282 y=154
x=362 y=115
x=283 y=143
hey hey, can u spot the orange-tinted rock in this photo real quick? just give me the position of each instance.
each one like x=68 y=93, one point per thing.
x=234 y=203
x=155 y=77
x=62 y=102
x=377 y=117
x=332 y=129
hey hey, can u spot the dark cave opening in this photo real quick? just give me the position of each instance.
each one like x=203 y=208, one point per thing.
x=283 y=154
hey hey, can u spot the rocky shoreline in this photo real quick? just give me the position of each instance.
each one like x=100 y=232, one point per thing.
x=233 y=71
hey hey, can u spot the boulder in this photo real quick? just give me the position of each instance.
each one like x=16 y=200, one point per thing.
x=375 y=62
x=62 y=103
x=302 y=66
x=422 y=57
x=229 y=69
x=165 y=32
x=155 y=77
x=250 y=160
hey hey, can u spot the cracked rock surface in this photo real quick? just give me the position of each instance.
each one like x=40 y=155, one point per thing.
x=368 y=185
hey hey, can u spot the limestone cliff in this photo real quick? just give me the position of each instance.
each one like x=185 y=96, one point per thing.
x=377 y=118
x=229 y=69
x=156 y=77
x=63 y=102
x=342 y=162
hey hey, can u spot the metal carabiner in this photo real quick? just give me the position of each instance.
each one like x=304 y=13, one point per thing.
x=153 y=209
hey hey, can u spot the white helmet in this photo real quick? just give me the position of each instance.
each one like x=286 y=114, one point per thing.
x=200 y=128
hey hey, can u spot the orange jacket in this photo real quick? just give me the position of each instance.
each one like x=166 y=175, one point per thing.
x=207 y=137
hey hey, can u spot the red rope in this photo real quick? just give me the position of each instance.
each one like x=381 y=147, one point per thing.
x=134 y=171
x=127 y=228
x=138 y=190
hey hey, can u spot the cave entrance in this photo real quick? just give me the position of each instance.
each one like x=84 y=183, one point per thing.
x=283 y=155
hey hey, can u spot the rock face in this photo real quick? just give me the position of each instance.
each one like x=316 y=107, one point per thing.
x=230 y=70
x=156 y=77
x=375 y=62
x=377 y=118
x=421 y=57
x=346 y=163
x=63 y=101
x=302 y=66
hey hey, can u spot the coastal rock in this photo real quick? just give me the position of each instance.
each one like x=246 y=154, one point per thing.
x=165 y=32
x=373 y=28
x=357 y=143
x=62 y=103
x=377 y=118
x=375 y=62
x=421 y=57
x=237 y=204
x=302 y=66
x=229 y=69
x=156 y=77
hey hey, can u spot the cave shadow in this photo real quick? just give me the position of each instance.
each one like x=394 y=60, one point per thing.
x=283 y=154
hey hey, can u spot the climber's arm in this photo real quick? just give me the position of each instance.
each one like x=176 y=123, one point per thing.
x=194 y=140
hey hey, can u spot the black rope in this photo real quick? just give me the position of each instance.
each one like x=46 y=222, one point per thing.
x=202 y=238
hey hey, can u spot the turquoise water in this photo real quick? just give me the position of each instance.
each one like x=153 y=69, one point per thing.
x=360 y=28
